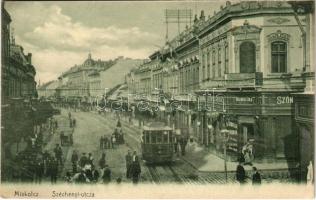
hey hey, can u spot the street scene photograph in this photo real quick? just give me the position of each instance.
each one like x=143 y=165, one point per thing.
x=157 y=92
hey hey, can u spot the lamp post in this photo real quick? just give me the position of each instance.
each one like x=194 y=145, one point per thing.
x=224 y=133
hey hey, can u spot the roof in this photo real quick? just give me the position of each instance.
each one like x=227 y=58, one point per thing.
x=157 y=126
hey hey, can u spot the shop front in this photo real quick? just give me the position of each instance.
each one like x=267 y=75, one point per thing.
x=304 y=120
x=262 y=119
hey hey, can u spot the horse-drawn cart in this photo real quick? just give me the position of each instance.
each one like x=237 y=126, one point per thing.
x=66 y=138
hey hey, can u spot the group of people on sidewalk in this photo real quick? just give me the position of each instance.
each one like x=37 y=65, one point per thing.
x=84 y=169
x=241 y=175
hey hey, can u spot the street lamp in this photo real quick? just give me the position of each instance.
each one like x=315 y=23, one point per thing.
x=224 y=134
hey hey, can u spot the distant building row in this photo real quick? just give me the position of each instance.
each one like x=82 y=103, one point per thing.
x=89 y=81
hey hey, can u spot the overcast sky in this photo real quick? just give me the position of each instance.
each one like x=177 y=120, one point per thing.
x=61 y=34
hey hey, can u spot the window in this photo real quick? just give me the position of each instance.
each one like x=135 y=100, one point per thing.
x=247 y=57
x=203 y=64
x=219 y=59
x=278 y=57
x=226 y=59
x=159 y=137
x=165 y=137
x=153 y=137
x=170 y=137
x=208 y=65
x=213 y=60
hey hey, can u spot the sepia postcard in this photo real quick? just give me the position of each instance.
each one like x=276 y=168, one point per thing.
x=157 y=99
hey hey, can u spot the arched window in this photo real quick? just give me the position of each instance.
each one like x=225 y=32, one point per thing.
x=278 y=57
x=247 y=57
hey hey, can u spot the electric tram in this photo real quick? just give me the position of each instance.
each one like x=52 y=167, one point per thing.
x=157 y=143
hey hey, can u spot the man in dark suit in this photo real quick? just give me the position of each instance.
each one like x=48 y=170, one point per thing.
x=240 y=173
x=128 y=159
x=256 y=177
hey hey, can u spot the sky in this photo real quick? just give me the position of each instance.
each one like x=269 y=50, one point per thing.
x=61 y=34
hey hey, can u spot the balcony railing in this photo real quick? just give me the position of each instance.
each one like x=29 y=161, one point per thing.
x=236 y=80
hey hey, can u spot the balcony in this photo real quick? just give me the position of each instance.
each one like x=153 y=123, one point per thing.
x=240 y=80
x=236 y=80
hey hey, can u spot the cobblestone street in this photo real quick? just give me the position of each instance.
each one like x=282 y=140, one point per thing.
x=96 y=125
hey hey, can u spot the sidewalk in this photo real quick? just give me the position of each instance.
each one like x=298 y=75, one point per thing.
x=206 y=161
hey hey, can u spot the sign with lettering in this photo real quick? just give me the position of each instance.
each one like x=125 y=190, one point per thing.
x=284 y=100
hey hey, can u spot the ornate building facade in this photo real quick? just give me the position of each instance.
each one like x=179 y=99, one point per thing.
x=239 y=69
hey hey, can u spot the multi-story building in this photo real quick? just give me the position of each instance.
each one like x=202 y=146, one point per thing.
x=48 y=90
x=77 y=85
x=241 y=66
x=5 y=51
x=249 y=69
x=18 y=73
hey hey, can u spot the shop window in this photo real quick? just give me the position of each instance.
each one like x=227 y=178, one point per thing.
x=247 y=57
x=278 y=57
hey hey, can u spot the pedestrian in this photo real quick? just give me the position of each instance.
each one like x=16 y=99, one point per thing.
x=74 y=161
x=95 y=174
x=105 y=142
x=310 y=174
x=54 y=171
x=46 y=158
x=256 y=177
x=70 y=123
x=128 y=160
x=106 y=175
x=89 y=174
x=183 y=143
x=247 y=152
x=135 y=157
x=62 y=136
x=39 y=170
x=240 y=173
x=58 y=154
x=90 y=159
x=119 y=123
x=135 y=171
x=68 y=177
x=102 y=161
x=101 y=142
x=56 y=124
x=119 y=180
x=81 y=177
x=69 y=115
x=74 y=122
x=175 y=144
x=113 y=141
x=83 y=160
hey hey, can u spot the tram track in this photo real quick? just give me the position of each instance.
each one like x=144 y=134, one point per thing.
x=154 y=175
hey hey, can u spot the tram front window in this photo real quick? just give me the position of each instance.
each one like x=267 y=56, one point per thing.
x=165 y=137
x=153 y=138
x=147 y=137
x=159 y=137
x=170 y=137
